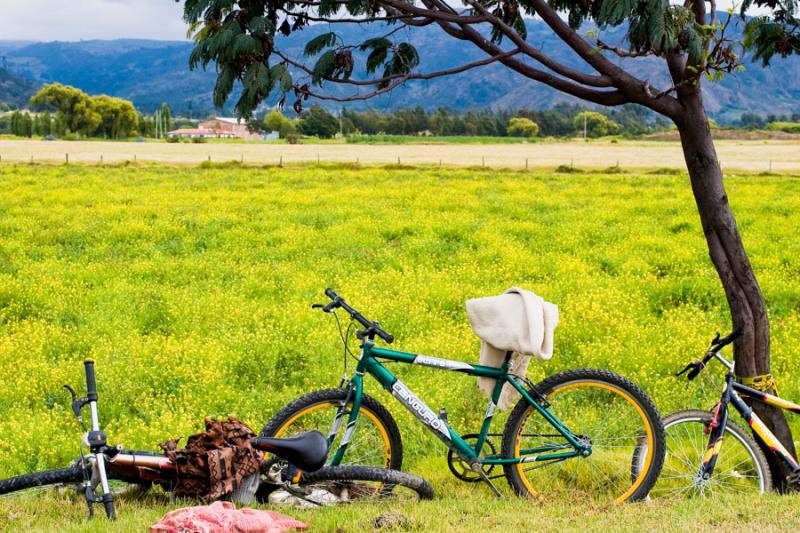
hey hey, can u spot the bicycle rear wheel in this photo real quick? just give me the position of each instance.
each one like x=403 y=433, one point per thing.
x=602 y=409
x=38 y=481
x=333 y=485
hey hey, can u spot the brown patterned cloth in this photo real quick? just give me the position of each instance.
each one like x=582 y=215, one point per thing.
x=214 y=463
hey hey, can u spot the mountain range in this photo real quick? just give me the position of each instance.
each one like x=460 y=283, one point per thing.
x=152 y=72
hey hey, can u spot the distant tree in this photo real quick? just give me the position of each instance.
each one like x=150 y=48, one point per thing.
x=25 y=125
x=13 y=126
x=319 y=122
x=441 y=122
x=166 y=117
x=752 y=120
x=595 y=124
x=74 y=107
x=522 y=127
x=277 y=121
x=118 y=117
x=144 y=126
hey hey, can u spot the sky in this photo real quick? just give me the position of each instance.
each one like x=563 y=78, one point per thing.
x=59 y=20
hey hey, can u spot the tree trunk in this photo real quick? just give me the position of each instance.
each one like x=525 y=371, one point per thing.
x=746 y=302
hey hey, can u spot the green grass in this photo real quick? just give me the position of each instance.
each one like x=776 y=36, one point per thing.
x=191 y=287
x=437 y=139
x=456 y=506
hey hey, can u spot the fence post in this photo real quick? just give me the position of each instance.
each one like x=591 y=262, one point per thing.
x=101 y=159
x=280 y=161
x=526 y=163
x=66 y=158
x=483 y=161
x=770 y=165
x=398 y=159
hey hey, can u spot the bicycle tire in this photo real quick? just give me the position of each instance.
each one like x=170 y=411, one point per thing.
x=388 y=477
x=603 y=379
x=742 y=436
x=71 y=474
x=393 y=457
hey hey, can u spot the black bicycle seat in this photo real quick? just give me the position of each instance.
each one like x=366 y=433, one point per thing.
x=307 y=451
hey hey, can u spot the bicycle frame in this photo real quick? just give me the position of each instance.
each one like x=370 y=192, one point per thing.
x=720 y=420
x=368 y=363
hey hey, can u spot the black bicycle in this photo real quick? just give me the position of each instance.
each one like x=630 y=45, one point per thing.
x=295 y=471
x=697 y=461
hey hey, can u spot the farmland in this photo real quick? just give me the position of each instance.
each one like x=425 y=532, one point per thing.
x=191 y=288
x=747 y=155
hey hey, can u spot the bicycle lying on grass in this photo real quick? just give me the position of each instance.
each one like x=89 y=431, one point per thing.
x=296 y=468
x=574 y=433
x=695 y=462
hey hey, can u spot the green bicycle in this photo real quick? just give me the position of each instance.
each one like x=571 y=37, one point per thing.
x=574 y=434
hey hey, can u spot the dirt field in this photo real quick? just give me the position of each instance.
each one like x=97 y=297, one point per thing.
x=743 y=155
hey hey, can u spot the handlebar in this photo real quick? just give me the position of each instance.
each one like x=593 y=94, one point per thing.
x=91 y=383
x=695 y=367
x=372 y=328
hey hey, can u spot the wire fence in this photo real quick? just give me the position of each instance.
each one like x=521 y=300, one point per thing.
x=571 y=157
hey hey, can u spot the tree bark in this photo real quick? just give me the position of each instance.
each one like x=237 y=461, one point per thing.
x=746 y=302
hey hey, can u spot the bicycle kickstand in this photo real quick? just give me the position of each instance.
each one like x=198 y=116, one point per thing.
x=476 y=466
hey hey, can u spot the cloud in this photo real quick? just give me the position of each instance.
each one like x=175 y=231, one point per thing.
x=57 y=20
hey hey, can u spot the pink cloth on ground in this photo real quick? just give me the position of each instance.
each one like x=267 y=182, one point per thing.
x=223 y=517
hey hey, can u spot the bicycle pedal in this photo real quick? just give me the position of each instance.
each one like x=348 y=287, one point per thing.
x=793 y=479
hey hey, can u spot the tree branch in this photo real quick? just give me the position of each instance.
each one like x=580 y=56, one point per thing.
x=402 y=78
x=558 y=68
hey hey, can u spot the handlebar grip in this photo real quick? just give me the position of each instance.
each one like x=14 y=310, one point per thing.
x=385 y=336
x=91 y=383
x=330 y=293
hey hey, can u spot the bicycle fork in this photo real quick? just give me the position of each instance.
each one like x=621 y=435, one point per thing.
x=95 y=440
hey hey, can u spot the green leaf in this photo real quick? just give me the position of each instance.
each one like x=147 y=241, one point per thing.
x=261 y=27
x=694 y=46
x=324 y=67
x=328 y=8
x=377 y=57
x=223 y=87
x=318 y=43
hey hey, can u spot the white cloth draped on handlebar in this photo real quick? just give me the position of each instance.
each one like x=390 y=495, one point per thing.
x=517 y=321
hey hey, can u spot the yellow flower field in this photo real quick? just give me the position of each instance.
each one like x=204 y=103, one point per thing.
x=191 y=287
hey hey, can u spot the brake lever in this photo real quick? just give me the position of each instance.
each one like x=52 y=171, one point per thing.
x=693 y=368
x=716 y=340
x=77 y=403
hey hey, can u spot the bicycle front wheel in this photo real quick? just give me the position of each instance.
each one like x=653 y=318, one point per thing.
x=741 y=466
x=602 y=409
x=37 y=481
x=376 y=439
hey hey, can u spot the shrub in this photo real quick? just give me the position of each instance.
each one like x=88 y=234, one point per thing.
x=595 y=124
x=522 y=127
x=788 y=127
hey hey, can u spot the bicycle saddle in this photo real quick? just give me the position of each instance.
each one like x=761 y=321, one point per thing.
x=307 y=451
